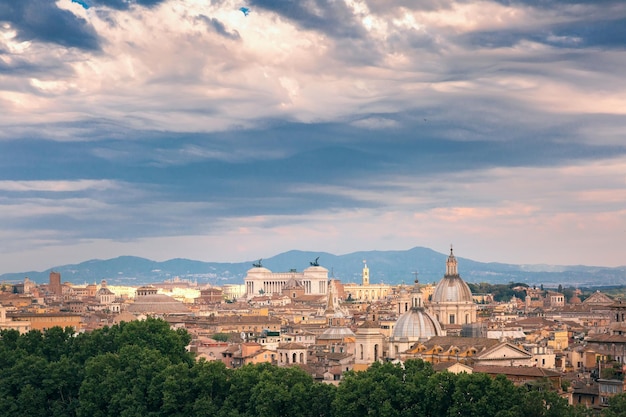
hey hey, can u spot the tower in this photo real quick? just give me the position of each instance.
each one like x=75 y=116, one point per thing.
x=54 y=286
x=365 y=275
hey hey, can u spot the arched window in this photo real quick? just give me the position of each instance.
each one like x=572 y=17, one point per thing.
x=295 y=357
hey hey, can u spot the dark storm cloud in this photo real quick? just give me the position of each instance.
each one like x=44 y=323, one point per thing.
x=333 y=18
x=216 y=26
x=42 y=20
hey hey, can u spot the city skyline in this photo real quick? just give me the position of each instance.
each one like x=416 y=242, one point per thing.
x=188 y=128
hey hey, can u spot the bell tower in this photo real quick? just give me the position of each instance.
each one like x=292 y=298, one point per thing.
x=366 y=274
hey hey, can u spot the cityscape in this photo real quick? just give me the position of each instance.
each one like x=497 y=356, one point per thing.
x=570 y=340
x=316 y=208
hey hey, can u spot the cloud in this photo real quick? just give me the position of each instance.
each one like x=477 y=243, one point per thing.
x=125 y=4
x=217 y=26
x=356 y=125
x=333 y=18
x=42 y=20
x=54 y=186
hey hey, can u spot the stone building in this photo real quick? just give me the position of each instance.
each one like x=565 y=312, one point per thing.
x=452 y=301
x=369 y=342
x=260 y=280
x=366 y=291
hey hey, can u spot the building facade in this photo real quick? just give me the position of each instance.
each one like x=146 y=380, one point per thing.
x=452 y=301
x=260 y=280
x=366 y=291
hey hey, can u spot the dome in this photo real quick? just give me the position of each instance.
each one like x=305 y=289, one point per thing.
x=416 y=324
x=336 y=333
x=157 y=303
x=104 y=291
x=452 y=289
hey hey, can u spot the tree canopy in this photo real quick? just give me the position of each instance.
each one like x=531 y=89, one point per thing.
x=142 y=368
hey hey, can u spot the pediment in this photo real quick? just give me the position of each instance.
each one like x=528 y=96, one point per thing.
x=598 y=298
x=504 y=351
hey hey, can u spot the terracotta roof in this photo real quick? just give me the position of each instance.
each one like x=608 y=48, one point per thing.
x=607 y=338
x=581 y=387
x=516 y=371
x=442 y=366
x=480 y=343
x=291 y=346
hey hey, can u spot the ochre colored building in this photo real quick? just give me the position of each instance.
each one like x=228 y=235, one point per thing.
x=48 y=320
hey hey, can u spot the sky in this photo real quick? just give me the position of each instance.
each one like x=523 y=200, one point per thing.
x=187 y=129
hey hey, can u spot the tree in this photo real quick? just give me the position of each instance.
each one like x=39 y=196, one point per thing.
x=379 y=391
x=221 y=337
x=152 y=333
x=123 y=384
x=617 y=406
x=212 y=386
x=543 y=404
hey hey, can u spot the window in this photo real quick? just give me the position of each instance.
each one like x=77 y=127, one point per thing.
x=452 y=318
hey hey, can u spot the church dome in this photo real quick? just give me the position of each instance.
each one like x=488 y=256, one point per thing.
x=452 y=289
x=416 y=325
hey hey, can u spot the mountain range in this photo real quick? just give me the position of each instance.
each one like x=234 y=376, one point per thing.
x=390 y=267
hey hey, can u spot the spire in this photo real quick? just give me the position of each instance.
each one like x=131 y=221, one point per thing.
x=451 y=265
x=332 y=303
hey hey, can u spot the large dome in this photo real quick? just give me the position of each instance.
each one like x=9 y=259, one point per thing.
x=416 y=325
x=452 y=289
x=157 y=304
x=336 y=333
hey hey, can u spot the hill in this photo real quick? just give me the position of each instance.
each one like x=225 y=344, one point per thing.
x=391 y=267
